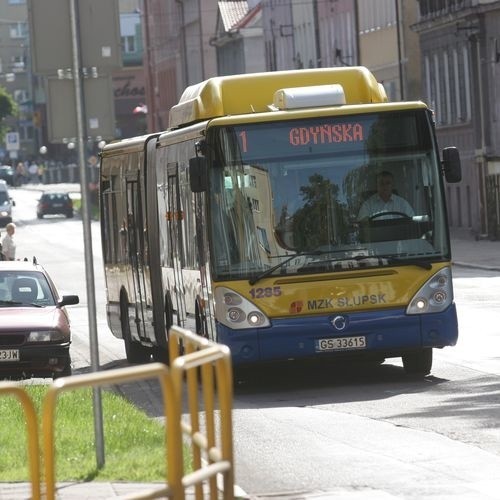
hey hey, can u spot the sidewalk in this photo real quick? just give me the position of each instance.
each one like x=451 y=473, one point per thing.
x=81 y=491
x=466 y=251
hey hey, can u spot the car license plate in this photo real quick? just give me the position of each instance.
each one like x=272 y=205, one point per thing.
x=9 y=355
x=341 y=343
x=57 y=205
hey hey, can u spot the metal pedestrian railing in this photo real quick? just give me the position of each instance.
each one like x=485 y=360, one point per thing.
x=208 y=365
x=13 y=389
x=199 y=378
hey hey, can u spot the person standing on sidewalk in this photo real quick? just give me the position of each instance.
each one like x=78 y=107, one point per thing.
x=8 y=243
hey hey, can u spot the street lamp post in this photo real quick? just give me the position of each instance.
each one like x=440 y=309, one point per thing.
x=87 y=232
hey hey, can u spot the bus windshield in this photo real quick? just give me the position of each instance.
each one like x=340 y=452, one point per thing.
x=306 y=196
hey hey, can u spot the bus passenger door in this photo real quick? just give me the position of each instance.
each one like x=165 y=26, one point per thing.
x=136 y=226
x=175 y=216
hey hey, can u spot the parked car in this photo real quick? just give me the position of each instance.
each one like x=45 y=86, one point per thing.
x=6 y=204
x=7 y=174
x=54 y=203
x=35 y=334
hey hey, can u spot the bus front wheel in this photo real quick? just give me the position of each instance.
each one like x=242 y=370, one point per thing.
x=419 y=362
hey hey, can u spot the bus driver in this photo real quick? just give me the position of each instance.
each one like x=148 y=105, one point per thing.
x=384 y=200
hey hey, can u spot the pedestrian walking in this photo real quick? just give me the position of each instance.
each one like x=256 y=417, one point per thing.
x=8 y=243
x=20 y=174
x=33 y=172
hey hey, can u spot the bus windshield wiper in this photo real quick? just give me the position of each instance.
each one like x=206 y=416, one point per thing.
x=358 y=261
x=271 y=270
x=393 y=259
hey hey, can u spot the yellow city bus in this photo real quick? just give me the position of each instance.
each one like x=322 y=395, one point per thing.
x=243 y=221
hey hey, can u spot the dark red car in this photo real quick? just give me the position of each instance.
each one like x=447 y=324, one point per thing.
x=35 y=334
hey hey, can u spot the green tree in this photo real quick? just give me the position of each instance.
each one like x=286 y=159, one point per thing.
x=8 y=107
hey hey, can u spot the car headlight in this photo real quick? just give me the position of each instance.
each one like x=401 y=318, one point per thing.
x=46 y=336
x=237 y=312
x=434 y=296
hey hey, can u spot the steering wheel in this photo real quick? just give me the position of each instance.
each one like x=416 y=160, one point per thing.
x=400 y=215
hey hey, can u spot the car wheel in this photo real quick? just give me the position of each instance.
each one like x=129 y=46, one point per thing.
x=65 y=372
x=69 y=215
x=40 y=216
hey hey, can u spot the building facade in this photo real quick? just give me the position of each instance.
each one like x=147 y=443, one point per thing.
x=16 y=77
x=238 y=39
x=177 y=53
x=389 y=47
x=446 y=53
x=460 y=63
x=129 y=90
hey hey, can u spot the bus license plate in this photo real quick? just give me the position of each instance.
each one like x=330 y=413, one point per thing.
x=340 y=343
x=9 y=355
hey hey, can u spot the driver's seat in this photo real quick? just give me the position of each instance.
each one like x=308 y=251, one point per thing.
x=24 y=290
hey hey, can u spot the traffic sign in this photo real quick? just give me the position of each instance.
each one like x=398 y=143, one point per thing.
x=99 y=35
x=12 y=141
x=99 y=109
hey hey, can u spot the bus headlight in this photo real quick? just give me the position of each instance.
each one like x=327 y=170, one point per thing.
x=237 y=312
x=236 y=315
x=256 y=318
x=434 y=296
x=232 y=299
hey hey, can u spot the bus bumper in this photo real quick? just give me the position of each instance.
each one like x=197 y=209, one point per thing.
x=384 y=334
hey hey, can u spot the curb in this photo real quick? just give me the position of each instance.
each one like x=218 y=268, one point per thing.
x=475 y=266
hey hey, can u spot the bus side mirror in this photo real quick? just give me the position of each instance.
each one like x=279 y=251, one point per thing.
x=451 y=164
x=198 y=174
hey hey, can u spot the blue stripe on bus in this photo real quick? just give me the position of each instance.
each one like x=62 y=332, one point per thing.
x=388 y=331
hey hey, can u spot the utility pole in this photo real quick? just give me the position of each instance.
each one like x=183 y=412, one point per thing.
x=87 y=232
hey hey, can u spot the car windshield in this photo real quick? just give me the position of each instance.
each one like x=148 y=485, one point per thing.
x=3 y=198
x=54 y=197
x=24 y=287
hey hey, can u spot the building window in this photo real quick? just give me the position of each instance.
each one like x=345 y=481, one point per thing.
x=469 y=207
x=375 y=16
x=25 y=132
x=21 y=95
x=465 y=80
x=447 y=92
x=18 y=30
x=459 y=207
x=128 y=44
x=427 y=80
x=17 y=63
x=437 y=91
x=391 y=90
x=456 y=80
